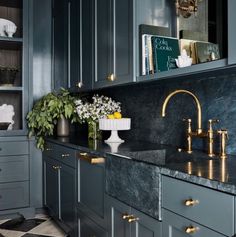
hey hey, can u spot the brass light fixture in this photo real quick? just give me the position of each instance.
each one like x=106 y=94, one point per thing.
x=186 y=8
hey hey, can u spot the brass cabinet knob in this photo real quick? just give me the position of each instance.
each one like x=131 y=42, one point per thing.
x=56 y=167
x=83 y=153
x=191 y=230
x=191 y=202
x=65 y=155
x=79 y=84
x=111 y=77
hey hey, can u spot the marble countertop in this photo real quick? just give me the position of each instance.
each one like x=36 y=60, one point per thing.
x=197 y=167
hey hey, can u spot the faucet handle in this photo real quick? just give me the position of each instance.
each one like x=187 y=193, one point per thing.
x=223 y=136
x=189 y=121
x=210 y=123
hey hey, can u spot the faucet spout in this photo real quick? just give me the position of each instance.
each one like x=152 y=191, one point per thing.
x=199 y=110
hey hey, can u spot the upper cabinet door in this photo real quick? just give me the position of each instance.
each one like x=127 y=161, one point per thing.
x=102 y=41
x=113 y=42
x=60 y=43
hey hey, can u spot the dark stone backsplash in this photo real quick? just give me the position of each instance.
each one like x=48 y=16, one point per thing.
x=142 y=102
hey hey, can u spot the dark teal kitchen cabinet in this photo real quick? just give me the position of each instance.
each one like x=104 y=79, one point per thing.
x=124 y=221
x=113 y=42
x=91 y=183
x=88 y=228
x=60 y=43
x=178 y=226
x=60 y=190
x=191 y=209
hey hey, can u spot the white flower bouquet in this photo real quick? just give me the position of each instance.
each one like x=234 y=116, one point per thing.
x=100 y=107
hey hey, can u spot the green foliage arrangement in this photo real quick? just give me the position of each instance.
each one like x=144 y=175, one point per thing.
x=47 y=110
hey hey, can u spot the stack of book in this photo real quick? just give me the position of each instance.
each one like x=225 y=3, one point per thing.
x=159 y=52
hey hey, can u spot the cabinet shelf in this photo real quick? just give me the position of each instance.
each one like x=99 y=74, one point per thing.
x=12 y=3
x=11 y=43
x=194 y=69
x=11 y=88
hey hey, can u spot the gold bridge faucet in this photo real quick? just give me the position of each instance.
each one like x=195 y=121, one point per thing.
x=199 y=132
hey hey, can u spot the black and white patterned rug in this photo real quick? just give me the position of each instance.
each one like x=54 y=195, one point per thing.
x=40 y=226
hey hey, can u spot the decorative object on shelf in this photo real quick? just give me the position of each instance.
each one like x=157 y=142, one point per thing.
x=100 y=107
x=7 y=28
x=183 y=60
x=8 y=75
x=6 y=116
x=186 y=8
x=46 y=112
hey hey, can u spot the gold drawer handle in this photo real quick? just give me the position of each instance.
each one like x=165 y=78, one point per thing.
x=91 y=159
x=111 y=77
x=56 y=167
x=133 y=219
x=65 y=155
x=191 y=202
x=191 y=229
x=126 y=216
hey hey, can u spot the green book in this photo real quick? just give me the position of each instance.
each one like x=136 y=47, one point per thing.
x=165 y=51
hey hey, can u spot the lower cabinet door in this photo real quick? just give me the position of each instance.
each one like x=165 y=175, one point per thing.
x=51 y=186
x=68 y=195
x=178 y=226
x=144 y=226
x=88 y=228
x=117 y=214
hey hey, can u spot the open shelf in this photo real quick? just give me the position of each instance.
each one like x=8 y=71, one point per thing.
x=12 y=39
x=194 y=69
x=11 y=88
x=11 y=3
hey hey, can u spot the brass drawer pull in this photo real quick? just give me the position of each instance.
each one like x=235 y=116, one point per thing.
x=191 y=229
x=133 y=219
x=126 y=216
x=48 y=149
x=56 y=167
x=91 y=159
x=191 y=202
x=65 y=155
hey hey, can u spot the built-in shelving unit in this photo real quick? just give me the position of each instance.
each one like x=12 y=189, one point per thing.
x=12 y=64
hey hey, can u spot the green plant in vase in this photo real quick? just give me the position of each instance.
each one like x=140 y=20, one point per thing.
x=91 y=112
x=46 y=112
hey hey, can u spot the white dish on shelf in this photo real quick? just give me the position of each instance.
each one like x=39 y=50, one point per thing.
x=114 y=125
x=7 y=28
x=6 y=115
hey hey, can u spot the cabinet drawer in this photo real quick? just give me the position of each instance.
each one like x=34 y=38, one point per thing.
x=210 y=208
x=61 y=153
x=175 y=225
x=14 y=168
x=14 y=148
x=14 y=195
